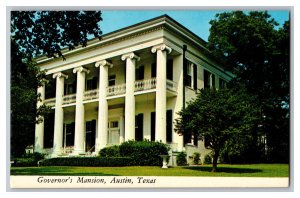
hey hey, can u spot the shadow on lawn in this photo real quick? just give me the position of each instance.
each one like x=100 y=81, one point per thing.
x=58 y=171
x=224 y=169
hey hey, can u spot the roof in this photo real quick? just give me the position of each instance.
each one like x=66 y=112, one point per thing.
x=160 y=20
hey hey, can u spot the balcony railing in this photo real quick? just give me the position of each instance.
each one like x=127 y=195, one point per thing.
x=116 y=90
x=91 y=94
x=68 y=99
x=171 y=85
x=140 y=85
x=147 y=84
x=50 y=102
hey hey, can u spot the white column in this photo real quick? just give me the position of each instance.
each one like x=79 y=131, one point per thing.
x=39 y=127
x=101 y=139
x=161 y=91
x=122 y=132
x=59 y=113
x=131 y=59
x=79 y=113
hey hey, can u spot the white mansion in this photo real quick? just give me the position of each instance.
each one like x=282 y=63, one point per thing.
x=127 y=86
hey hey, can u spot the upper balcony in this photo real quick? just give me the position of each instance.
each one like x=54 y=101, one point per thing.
x=141 y=87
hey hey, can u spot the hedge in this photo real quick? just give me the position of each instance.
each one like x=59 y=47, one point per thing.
x=112 y=151
x=87 y=161
x=144 y=153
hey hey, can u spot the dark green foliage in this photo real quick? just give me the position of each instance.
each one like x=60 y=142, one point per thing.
x=28 y=160
x=207 y=159
x=196 y=158
x=47 y=32
x=251 y=46
x=181 y=159
x=144 y=153
x=219 y=116
x=35 y=33
x=87 y=161
x=111 y=151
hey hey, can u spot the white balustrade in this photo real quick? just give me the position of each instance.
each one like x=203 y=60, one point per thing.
x=91 y=94
x=116 y=90
x=140 y=85
x=171 y=85
x=50 y=102
x=147 y=84
x=68 y=99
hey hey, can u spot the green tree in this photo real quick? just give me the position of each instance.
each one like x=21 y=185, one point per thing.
x=35 y=33
x=257 y=51
x=218 y=116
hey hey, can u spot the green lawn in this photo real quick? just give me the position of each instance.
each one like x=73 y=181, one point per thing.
x=253 y=170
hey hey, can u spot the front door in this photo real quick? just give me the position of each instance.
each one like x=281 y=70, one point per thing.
x=113 y=132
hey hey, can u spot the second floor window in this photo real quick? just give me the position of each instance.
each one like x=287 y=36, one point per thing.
x=191 y=79
x=209 y=80
x=222 y=83
x=139 y=73
x=112 y=80
x=91 y=83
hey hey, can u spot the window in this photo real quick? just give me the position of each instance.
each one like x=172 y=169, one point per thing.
x=114 y=124
x=169 y=126
x=153 y=70
x=139 y=127
x=222 y=83
x=91 y=84
x=170 y=69
x=191 y=75
x=90 y=135
x=70 y=131
x=112 y=80
x=209 y=80
x=139 y=73
x=70 y=88
x=152 y=126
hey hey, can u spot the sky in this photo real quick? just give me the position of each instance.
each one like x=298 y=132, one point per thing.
x=195 y=20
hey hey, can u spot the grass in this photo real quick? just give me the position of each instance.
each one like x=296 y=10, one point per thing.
x=224 y=170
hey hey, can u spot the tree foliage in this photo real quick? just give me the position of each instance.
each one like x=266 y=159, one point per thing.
x=216 y=116
x=258 y=52
x=47 y=32
x=35 y=33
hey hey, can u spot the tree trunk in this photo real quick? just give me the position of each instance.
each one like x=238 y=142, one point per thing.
x=215 y=161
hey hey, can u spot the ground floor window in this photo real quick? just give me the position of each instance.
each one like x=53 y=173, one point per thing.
x=90 y=135
x=139 y=127
x=49 y=130
x=169 y=128
x=69 y=134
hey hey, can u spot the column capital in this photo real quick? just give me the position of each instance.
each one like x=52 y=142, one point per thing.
x=161 y=47
x=60 y=74
x=103 y=63
x=80 y=69
x=130 y=55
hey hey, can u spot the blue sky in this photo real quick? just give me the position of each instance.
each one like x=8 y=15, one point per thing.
x=195 y=20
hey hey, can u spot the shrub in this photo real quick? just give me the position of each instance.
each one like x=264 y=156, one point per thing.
x=112 y=151
x=144 y=153
x=87 y=161
x=207 y=159
x=181 y=159
x=28 y=160
x=196 y=157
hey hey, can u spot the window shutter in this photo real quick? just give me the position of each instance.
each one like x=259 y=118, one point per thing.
x=152 y=126
x=169 y=126
x=195 y=77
